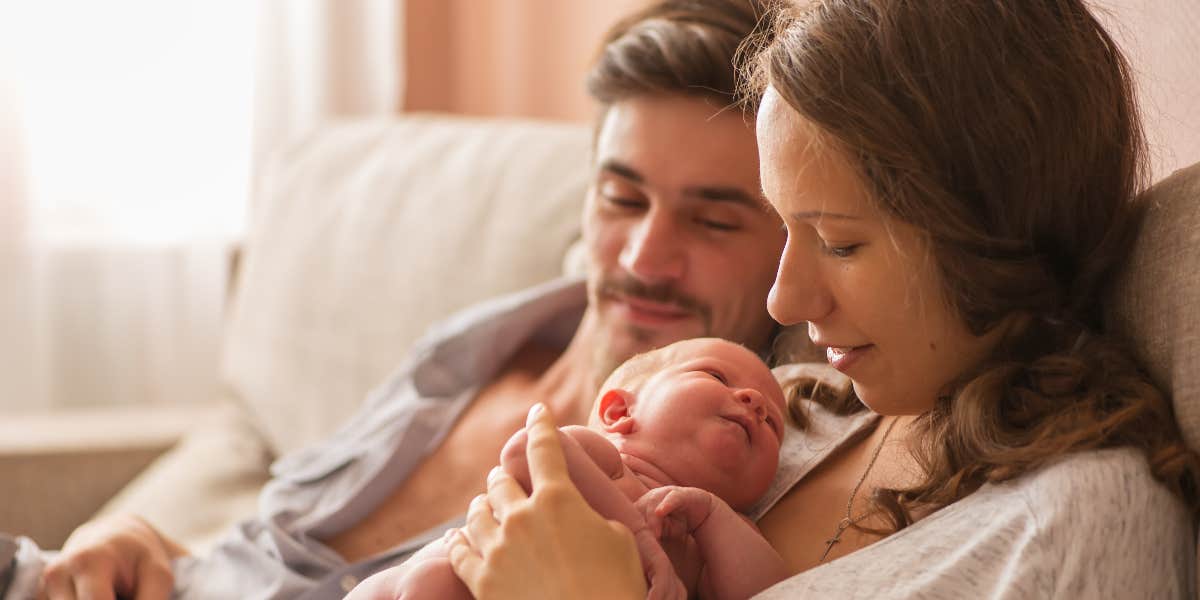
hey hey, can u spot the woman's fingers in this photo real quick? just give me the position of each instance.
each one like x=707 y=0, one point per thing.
x=503 y=492
x=547 y=464
x=551 y=543
x=465 y=560
x=482 y=527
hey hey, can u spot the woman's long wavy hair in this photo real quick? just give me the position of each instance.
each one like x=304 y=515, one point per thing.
x=1007 y=132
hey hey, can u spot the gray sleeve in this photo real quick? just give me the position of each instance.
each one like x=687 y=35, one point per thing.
x=1116 y=531
x=21 y=564
x=1095 y=525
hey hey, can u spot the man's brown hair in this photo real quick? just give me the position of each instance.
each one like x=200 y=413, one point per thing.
x=687 y=47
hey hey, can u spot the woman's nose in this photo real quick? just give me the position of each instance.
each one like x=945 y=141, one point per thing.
x=654 y=252
x=799 y=293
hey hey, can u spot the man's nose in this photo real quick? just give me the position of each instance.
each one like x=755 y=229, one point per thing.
x=654 y=252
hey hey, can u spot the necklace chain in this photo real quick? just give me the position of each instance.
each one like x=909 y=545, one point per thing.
x=849 y=520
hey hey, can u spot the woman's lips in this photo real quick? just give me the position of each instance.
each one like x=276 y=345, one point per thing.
x=844 y=357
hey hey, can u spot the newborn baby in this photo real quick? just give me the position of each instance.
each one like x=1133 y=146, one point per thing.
x=678 y=440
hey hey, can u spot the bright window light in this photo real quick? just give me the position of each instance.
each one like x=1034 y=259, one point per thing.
x=136 y=115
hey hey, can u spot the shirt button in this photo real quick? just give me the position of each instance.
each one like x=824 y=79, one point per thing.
x=348 y=582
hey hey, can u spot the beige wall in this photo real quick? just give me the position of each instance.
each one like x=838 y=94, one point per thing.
x=505 y=57
x=528 y=57
x=1162 y=40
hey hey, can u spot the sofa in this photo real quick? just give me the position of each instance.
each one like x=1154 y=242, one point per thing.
x=364 y=232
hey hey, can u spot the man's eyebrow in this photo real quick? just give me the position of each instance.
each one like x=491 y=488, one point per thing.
x=727 y=194
x=711 y=193
x=820 y=214
x=622 y=169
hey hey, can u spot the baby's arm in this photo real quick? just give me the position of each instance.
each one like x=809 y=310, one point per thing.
x=427 y=574
x=738 y=561
x=592 y=462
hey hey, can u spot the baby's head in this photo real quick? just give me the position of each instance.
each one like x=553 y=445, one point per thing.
x=706 y=412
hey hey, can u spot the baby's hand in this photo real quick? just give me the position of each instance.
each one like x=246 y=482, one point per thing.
x=674 y=511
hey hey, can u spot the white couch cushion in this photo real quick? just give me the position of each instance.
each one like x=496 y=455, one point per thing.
x=366 y=232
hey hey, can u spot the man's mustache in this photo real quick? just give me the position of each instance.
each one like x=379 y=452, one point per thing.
x=660 y=293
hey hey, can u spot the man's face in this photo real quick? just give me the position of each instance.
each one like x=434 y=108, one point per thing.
x=680 y=243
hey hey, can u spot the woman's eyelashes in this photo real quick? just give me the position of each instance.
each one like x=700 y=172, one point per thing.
x=839 y=250
x=834 y=249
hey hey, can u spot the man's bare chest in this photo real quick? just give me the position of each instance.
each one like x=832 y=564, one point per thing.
x=443 y=484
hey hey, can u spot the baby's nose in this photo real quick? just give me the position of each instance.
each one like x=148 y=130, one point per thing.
x=754 y=399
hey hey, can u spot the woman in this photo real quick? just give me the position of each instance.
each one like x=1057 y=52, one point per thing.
x=958 y=182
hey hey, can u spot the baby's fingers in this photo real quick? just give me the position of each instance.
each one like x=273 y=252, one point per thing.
x=687 y=509
x=674 y=499
x=648 y=505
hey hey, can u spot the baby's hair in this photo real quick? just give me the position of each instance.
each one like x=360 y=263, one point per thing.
x=632 y=373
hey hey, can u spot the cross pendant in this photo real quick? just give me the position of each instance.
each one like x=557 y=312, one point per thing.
x=837 y=537
x=829 y=546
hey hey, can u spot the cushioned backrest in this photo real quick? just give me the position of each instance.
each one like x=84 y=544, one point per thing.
x=1156 y=302
x=366 y=232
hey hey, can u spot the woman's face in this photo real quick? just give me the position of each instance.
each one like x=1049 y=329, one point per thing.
x=866 y=283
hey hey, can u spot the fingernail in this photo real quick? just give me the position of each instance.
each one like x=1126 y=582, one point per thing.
x=494 y=473
x=449 y=533
x=536 y=410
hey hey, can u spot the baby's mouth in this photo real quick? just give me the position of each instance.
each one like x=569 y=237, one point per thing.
x=742 y=423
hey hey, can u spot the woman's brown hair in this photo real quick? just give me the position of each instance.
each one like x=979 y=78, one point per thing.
x=1008 y=132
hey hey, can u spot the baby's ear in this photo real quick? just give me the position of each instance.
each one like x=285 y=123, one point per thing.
x=614 y=411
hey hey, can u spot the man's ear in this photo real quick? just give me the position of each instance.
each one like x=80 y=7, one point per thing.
x=614 y=411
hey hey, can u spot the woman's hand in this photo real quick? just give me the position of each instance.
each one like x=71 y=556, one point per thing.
x=114 y=556
x=548 y=545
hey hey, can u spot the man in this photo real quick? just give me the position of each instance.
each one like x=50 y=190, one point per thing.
x=679 y=245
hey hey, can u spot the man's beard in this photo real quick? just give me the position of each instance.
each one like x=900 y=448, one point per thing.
x=607 y=356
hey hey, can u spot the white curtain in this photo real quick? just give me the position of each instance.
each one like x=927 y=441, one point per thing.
x=124 y=165
x=129 y=134
x=324 y=59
